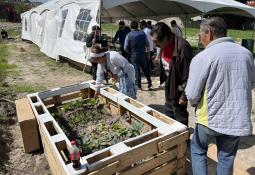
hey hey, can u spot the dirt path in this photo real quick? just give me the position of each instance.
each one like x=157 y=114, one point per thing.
x=37 y=71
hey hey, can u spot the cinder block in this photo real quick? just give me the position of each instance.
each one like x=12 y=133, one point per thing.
x=28 y=125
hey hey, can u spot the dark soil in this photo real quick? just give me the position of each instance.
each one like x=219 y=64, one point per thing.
x=7 y=118
x=94 y=128
x=13 y=159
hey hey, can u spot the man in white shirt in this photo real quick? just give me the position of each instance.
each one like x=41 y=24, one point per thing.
x=147 y=31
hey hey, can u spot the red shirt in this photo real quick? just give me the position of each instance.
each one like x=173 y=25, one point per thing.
x=167 y=53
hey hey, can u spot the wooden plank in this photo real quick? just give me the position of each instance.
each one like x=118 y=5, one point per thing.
x=181 y=171
x=71 y=96
x=121 y=110
x=134 y=103
x=165 y=169
x=142 y=138
x=153 y=163
x=166 y=144
x=113 y=108
x=182 y=149
x=109 y=169
x=142 y=115
x=48 y=101
x=84 y=93
x=28 y=125
x=57 y=100
x=161 y=117
x=111 y=90
x=181 y=162
x=136 y=153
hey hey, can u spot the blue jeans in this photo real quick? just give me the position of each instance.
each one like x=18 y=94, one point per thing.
x=226 y=146
x=144 y=66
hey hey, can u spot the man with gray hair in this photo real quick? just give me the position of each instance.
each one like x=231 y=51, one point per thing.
x=219 y=86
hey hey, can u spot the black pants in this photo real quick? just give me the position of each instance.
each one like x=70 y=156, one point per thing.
x=94 y=70
x=177 y=112
x=144 y=66
x=151 y=61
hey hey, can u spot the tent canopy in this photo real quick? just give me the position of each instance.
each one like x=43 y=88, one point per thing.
x=160 y=9
x=60 y=27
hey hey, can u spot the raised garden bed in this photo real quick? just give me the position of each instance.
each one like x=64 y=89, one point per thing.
x=118 y=135
x=93 y=126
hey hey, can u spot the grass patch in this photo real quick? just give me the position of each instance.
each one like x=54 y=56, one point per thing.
x=4 y=52
x=25 y=88
x=109 y=29
x=14 y=33
x=5 y=68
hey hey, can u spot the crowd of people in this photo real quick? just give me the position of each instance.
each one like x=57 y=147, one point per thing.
x=217 y=82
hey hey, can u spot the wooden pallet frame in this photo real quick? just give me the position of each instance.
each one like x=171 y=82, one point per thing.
x=159 y=151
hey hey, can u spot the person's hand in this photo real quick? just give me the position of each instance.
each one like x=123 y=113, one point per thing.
x=182 y=101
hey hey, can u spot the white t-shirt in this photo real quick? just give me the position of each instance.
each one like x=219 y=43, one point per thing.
x=117 y=65
x=177 y=30
x=147 y=31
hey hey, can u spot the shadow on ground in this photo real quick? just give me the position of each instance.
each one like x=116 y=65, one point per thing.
x=5 y=141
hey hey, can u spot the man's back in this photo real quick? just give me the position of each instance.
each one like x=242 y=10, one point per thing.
x=226 y=98
x=135 y=44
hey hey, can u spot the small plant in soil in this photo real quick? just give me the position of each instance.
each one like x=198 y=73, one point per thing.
x=94 y=128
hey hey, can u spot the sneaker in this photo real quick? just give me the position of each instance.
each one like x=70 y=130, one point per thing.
x=161 y=85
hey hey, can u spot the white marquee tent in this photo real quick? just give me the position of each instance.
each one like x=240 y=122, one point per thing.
x=60 y=27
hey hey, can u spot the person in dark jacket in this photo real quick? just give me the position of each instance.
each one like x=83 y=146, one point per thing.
x=121 y=35
x=92 y=39
x=174 y=69
x=137 y=45
x=4 y=34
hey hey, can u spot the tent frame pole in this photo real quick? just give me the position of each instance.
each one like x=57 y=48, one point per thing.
x=185 y=27
x=100 y=15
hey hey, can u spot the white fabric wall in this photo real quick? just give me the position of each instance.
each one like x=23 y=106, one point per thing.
x=45 y=23
x=25 y=34
x=50 y=34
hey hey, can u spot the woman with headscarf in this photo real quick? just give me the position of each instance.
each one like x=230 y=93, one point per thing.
x=115 y=65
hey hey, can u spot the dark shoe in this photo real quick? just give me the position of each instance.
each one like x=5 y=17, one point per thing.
x=150 y=87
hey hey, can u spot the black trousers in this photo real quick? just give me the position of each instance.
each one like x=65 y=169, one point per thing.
x=94 y=70
x=177 y=112
x=151 y=61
